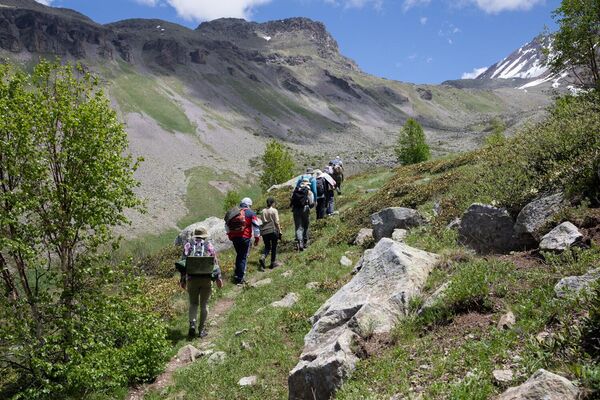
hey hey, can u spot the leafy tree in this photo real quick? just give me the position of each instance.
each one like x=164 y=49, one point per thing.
x=412 y=147
x=65 y=180
x=278 y=165
x=576 y=44
x=232 y=198
x=497 y=137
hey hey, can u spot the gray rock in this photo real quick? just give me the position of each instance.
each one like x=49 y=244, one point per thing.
x=372 y=302
x=385 y=221
x=454 y=224
x=542 y=385
x=188 y=353
x=218 y=357
x=286 y=185
x=436 y=297
x=535 y=215
x=574 y=285
x=488 y=229
x=345 y=261
x=261 y=283
x=313 y=285
x=507 y=321
x=287 y=302
x=399 y=235
x=216 y=231
x=561 y=238
x=502 y=375
x=248 y=381
x=364 y=235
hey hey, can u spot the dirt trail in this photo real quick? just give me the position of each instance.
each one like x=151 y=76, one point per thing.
x=217 y=314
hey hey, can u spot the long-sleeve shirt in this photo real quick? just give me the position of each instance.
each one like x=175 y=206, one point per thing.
x=268 y=215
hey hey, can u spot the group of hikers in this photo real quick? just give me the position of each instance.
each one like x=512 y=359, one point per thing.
x=199 y=266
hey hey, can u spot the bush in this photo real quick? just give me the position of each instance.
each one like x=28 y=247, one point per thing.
x=412 y=147
x=232 y=199
x=278 y=165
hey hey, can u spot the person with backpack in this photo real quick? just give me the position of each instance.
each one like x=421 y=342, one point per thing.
x=312 y=181
x=329 y=189
x=198 y=286
x=302 y=201
x=241 y=224
x=270 y=230
x=321 y=193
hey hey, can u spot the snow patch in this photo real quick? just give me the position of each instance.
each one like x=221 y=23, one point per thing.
x=267 y=38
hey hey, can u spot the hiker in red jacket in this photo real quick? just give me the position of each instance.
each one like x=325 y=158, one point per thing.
x=241 y=224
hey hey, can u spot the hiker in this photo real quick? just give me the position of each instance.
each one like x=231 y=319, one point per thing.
x=330 y=186
x=324 y=183
x=270 y=230
x=302 y=201
x=199 y=286
x=241 y=224
x=311 y=180
x=337 y=172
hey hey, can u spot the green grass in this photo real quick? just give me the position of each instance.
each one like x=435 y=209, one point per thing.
x=139 y=93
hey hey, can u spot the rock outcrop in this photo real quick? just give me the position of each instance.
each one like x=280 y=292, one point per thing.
x=488 y=229
x=216 y=231
x=561 y=238
x=536 y=214
x=574 y=285
x=385 y=221
x=372 y=302
x=542 y=385
x=365 y=235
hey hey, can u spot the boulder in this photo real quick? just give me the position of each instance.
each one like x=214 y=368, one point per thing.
x=248 y=381
x=287 y=302
x=372 y=302
x=502 y=375
x=573 y=285
x=507 y=321
x=535 y=215
x=188 y=353
x=488 y=229
x=345 y=261
x=385 y=221
x=561 y=238
x=399 y=235
x=365 y=235
x=542 y=385
x=286 y=185
x=216 y=231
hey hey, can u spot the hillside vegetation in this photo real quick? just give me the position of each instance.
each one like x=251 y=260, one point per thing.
x=450 y=350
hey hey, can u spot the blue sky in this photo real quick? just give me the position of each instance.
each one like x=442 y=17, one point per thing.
x=420 y=41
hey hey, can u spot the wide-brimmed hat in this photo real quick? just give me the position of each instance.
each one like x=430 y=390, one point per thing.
x=318 y=172
x=200 y=233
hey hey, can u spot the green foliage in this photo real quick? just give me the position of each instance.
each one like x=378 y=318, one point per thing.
x=232 y=199
x=496 y=138
x=278 y=165
x=412 y=147
x=65 y=181
x=575 y=45
x=590 y=336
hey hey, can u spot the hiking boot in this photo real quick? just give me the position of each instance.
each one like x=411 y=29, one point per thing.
x=191 y=333
x=261 y=261
x=299 y=246
x=203 y=334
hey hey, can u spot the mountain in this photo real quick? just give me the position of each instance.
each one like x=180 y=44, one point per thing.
x=199 y=104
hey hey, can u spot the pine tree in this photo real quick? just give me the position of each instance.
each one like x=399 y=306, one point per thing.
x=412 y=147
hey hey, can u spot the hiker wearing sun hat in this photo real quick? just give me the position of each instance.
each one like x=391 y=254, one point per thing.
x=199 y=286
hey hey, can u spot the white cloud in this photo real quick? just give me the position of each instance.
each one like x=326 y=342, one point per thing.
x=423 y=20
x=377 y=4
x=497 y=6
x=473 y=74
x=408 y=4
x=206 y=10
x=45 y=2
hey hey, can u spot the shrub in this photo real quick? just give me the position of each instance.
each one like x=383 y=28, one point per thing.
x=232 y=199
x=412 y=147
x=278 y=165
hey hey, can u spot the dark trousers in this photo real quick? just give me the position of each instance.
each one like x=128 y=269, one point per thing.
x=270 y=240
x=321 y=205
x=301 y=222
x=329 y=201
x=242 y=248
